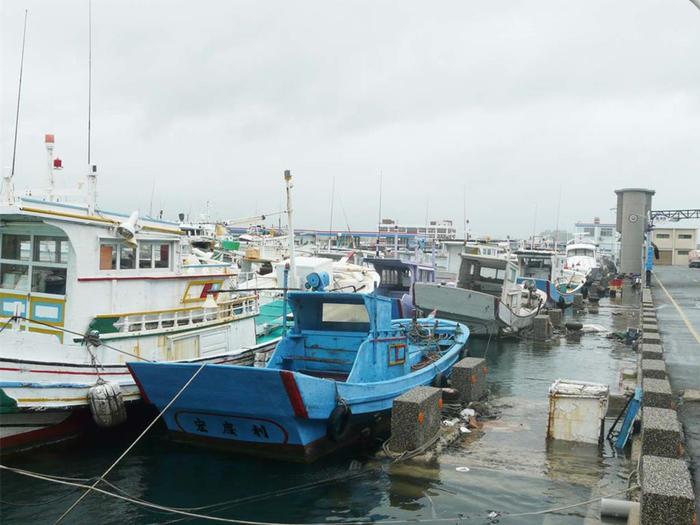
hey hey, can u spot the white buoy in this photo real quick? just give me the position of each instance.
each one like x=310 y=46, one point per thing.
x=107 y=404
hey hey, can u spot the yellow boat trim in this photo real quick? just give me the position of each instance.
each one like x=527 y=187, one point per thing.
x=201 y=282
x=62 y=399
x=96 y=218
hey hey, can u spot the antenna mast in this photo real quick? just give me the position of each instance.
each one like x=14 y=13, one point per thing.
x=89 y=79
x=19 y=95
x=330 y=225
x=379 y=219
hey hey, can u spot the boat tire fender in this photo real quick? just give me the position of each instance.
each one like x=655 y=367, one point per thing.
x=439 y=381
x=339 y=422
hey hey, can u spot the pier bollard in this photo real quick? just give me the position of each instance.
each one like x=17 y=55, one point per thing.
x=469 y=378
x=555 y=316
x=415 y=418
x=661 y=433
x=657 y=393
x=578 y=301
x=541 y=328
x=667 y=492
x=651 y=351
x=654 y=368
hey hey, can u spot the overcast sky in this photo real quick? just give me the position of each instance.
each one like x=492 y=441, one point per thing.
x=514 y=101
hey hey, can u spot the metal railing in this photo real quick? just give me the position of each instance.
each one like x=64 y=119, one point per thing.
x=228 y=310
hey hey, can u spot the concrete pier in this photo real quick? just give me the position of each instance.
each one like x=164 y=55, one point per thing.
x=652 y=351
x=653 y=368
x=676 y=294
x=661 y=433
x=542 y=328
x=657 y=393
x=469 y=378
x=667 y=494
x=415 y=418
x=555 y=317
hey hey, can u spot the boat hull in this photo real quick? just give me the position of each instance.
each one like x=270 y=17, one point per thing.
x=43 y=402
x=271 y=411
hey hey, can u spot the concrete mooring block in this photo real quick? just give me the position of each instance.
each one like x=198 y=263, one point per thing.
x=654 y=368
x=651 y=351
x=667 y=492
x=469 y=378
x=415 y=418
x=541 y=328
x=651 y=338
x=650 y=328
x=555 y=316
x=661 y=433
x=657 y=393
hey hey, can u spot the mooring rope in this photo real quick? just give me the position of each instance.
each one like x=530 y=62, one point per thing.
x=85 y=337
x=133 y=444
x=454 y=519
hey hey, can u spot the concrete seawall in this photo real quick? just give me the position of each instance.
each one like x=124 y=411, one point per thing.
x=668 y=454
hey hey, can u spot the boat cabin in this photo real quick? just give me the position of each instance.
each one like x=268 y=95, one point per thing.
x=537 y=264
x=343 y=337
x=398 y=276
x=581 y=250
x=486 y=274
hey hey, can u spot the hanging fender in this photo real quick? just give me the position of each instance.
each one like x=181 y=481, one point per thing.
x=339 y=422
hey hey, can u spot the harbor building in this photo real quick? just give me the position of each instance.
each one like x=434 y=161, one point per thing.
x=603 y=234
x=674 y=245
x=432 y=231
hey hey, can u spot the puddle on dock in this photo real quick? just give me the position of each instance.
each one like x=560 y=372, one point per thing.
x=512 y=469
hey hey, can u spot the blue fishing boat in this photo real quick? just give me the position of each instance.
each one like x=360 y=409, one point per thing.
x=332 y=377
x=397 y=278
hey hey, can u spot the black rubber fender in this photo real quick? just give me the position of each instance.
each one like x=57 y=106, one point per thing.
x=339 y=423
x=439 y=380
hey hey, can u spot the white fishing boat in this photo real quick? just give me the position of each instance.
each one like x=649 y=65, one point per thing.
x=82 y=291
x=582 y=257
x=487 y=297
x=342 y=276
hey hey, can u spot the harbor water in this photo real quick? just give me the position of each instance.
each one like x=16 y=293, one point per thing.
x=505 y=473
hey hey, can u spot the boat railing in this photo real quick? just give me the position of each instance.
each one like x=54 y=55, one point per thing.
x=225 y=310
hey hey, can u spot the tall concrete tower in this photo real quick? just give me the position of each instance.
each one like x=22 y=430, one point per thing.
x=633 y=207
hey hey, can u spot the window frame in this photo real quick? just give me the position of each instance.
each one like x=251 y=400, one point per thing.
x=119 y=245
x=31 y=264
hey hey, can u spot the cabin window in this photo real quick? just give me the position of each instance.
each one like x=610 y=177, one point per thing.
x=127 y=257
x=16 y=247
x=108 y=256
x=50 y=249
x=145 y=255
x=344 y=313
x=34 y=263
x=122 y=256
x=14 y=276
x=491 y=273
x=161 y=255
x=49 y=280
x=154 y=254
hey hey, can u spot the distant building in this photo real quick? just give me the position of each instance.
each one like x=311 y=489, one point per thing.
x=674 y=245
x=603 y=234
x=442 y=230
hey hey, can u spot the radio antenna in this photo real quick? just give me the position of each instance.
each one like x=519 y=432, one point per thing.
x=19 y=95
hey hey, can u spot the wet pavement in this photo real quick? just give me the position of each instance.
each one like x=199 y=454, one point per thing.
x=676 y=292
